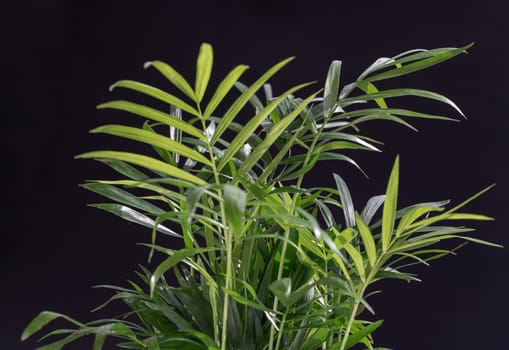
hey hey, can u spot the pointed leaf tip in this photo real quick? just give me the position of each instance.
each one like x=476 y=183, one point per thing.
x=390 y=205
x=203 y=70
x=147 y=64
x=331 y=89
x=41 y=320
x=37 y=323
x=346 y=200
x=112 y=86
x=466 y=47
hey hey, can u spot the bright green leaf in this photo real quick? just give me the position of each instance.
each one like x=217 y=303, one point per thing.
x=362 y=333
x=252 y=125
x=146 y=162
x=176 y=258
x=367 y=239
x=152 y=139
x=154 y=114
x=389 y=210
x=173 y=76
x=203 y=70
x=155 y=93
x=223 y=89
x=271 y=137
x=241 y=101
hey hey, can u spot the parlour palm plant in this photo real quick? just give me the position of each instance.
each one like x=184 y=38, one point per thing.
x=264 y=262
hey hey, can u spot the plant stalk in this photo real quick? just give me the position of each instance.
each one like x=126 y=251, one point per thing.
x=350 y=322
x=228 y=239
x=287 y=234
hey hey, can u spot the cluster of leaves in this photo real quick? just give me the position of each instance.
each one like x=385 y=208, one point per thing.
x=265 y=265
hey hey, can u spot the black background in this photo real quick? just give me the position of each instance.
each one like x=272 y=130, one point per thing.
x=59 y=57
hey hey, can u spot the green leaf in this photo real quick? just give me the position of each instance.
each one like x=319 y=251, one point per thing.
x=282 y=289
x=205 y=339
x=357 y=259
x=331 y=89
x=412 y=215
x=166 y=155
x=433 y=240
x=244 y=301
x=362 y=333
x=152 y=343
x=124 y=197
x=372 y=206
x=121 y=329
x=42 y=320
x=346 y=201
x=467 y=216
x=389 y=210
x=326 y=213
x=152 y=139
x=251 y=126
x=370 y=88
x=58 y=345
x=235 y=206
x=367 y=239
x=409 y=113
x=388 y=272
x=338 y=145
x=154 y=114
x=401 y=212
x=421 y=64
x=203 y=70
x=404 y=92
x=176 y=257
x=241 y=101
x=255 y=102
x=132 y=215
x=325 y=138
x=100 y=336
x=315 y=339
x=271 y=137
x=399 y=60
x=146 y=162
x=223 y=89
x=173 y=77
x=150 y=187
x=419 y=225
x=125 y=169
x=462 y=204
x=193 y=198
x=278 y=159
x=318 y=232
x=155 y=93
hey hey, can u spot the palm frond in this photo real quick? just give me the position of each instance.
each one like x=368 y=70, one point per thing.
x=266 y=263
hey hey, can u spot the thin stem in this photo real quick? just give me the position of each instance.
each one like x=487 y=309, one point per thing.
x=350 y=322
x=287 y=232
x=276 y=300
x=374 y=270
x=228 y=239
x=327 y=342
x=280 y=333
x=247 y=262
x=228 y=286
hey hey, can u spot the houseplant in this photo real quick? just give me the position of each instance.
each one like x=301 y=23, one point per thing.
x=265 y=262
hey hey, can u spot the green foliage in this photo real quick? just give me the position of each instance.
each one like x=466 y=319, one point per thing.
x=265 y=263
